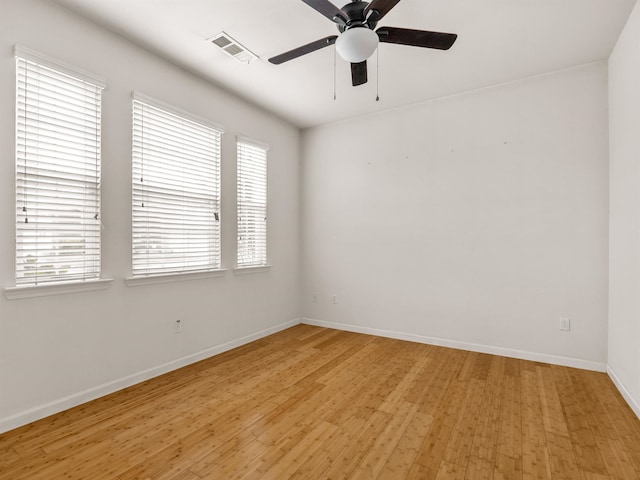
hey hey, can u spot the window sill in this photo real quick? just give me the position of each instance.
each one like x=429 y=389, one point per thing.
x=172 y=277
x=16 y=293
x=243 y=270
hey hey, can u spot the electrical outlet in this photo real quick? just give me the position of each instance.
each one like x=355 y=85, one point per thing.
x=334 y=298
x=565 y=324
x=314 y=297
x=177 y=326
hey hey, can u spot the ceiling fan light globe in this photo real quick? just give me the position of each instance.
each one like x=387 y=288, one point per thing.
x=357 y=44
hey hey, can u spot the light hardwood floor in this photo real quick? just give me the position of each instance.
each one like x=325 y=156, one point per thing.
x=311 y=403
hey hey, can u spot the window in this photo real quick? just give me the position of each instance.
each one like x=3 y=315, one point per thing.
x=176 y=191
x=252 y=203
x=58 y=116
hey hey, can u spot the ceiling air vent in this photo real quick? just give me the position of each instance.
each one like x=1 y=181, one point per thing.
x=233 y=48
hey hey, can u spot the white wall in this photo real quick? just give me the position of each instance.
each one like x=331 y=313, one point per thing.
x=624 y=253
x=58 y=350
x=474 y=221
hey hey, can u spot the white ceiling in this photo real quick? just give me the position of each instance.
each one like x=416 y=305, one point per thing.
x=498 y=41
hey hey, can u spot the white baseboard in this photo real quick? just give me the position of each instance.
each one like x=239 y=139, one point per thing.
x=473 y=347
x=635 y=405
x=59 y=405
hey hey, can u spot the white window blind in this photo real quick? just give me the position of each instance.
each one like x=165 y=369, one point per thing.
x=176 y=191
x=252 y=203
x=58 y=117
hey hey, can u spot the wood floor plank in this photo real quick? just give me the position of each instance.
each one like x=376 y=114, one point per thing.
x=450 y=471
x=508 y=460
x=485 y=438
x=314 y=403
x=363 y=436
x=333 y=451
x=535 y=455
x=399 y=463
x=435 y=444
x=372 y=463
x=578 y=410
x=299 y=453
x=458 y=449
x=561 y=455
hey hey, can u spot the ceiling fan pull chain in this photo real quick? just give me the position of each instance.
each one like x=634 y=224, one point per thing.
x=378 y=74
x=334 y=73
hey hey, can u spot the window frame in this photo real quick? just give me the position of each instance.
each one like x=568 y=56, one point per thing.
x=138 y=275
x=85 y=280
x=264 y=147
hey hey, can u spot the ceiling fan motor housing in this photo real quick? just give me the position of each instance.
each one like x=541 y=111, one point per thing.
x=355 y=16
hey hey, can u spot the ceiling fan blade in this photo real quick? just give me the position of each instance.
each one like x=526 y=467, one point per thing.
x=303 y=50
x=359 y=73
x=416 y=38
x=326 y=8
x=382 y=7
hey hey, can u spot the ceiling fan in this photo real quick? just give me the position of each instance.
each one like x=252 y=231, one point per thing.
x=358 y=40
